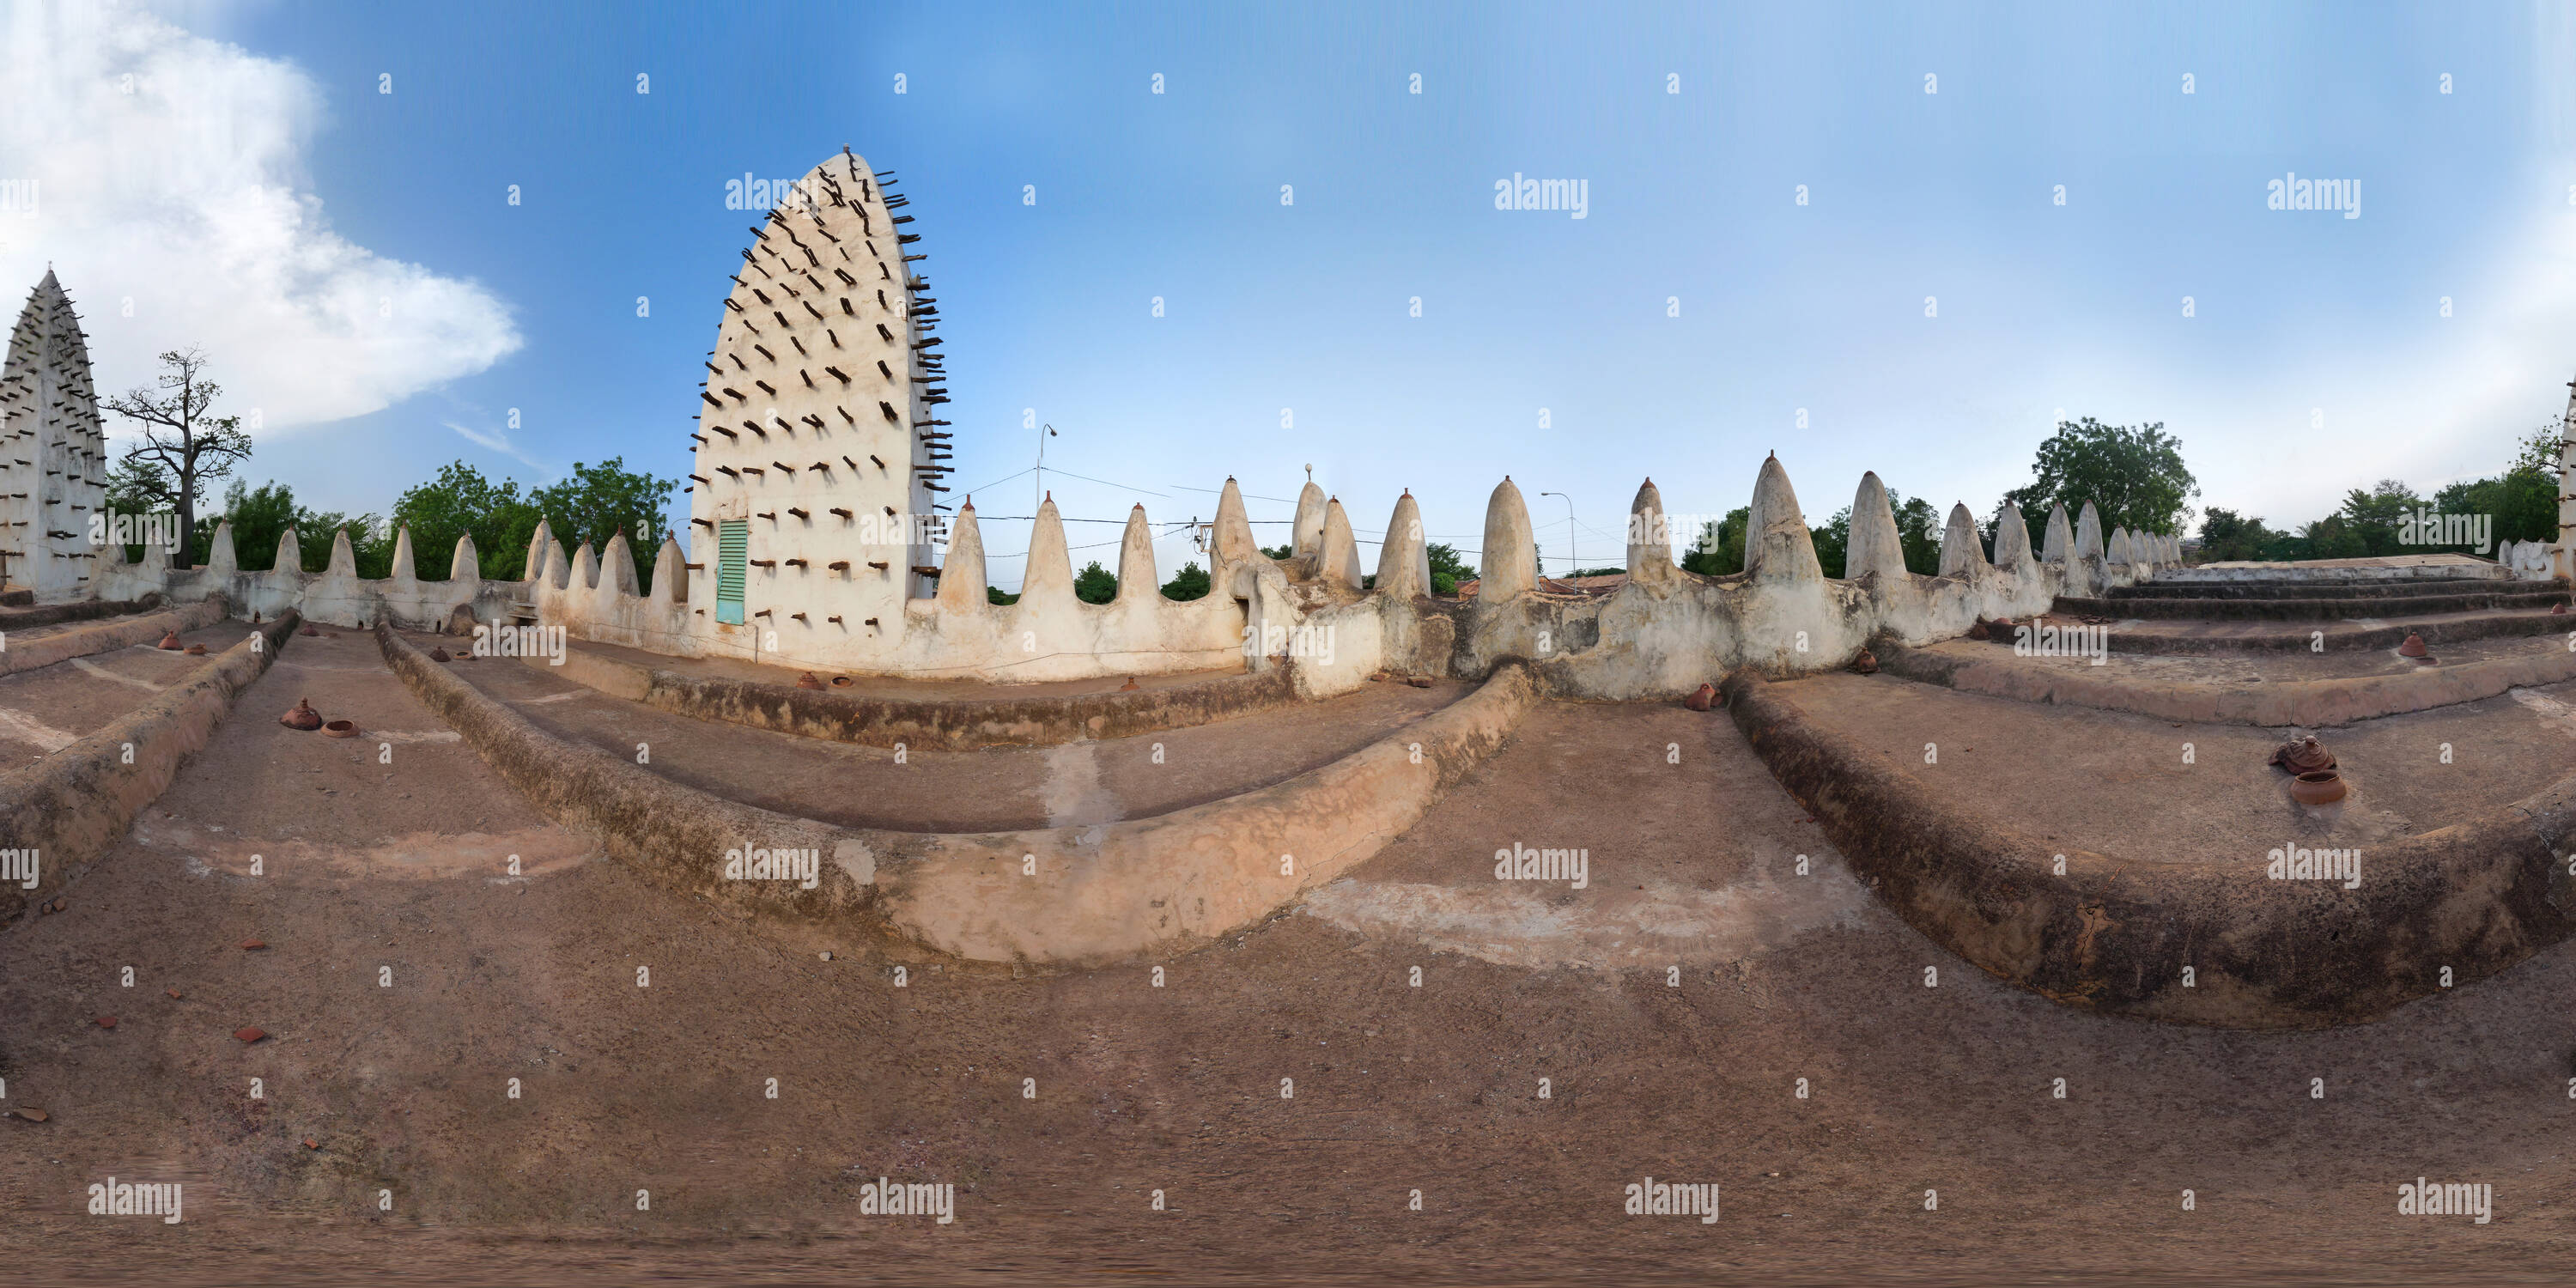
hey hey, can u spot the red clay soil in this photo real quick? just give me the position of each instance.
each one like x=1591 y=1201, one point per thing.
x=403 y=1088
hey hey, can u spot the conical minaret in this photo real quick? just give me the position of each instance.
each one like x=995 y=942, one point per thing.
x=53 y=456
x=819 y=449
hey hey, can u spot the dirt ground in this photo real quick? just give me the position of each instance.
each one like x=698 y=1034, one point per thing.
x=49 y=708
x=399 y=1080
x=2116 y=783
x=2267 y=666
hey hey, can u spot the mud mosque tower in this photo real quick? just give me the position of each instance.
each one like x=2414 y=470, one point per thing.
x=813 y=497
x=53 y=453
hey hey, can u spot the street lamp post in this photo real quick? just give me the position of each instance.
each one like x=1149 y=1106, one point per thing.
x=1040 y=498
x=1572 y=564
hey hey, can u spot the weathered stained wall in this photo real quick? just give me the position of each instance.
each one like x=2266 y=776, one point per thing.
x=815 y=425
x=53 y=455
x=1661 y=634
x=336 y=596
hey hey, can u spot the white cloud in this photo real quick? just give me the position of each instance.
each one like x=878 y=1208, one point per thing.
x=496 y=441
x=170 y=173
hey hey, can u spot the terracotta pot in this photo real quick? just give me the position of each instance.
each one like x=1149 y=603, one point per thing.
x=196 y=650
x=1704 y=698
x=340 y=729
x=308 y=631
x=303 y=717
x=1979 y=631
x=170 y=641
x=1866 y=663
x=807 y=681
x=2303 y=755
x=2413 y=647
x=2320 y=787
x=841 y=682
x=439 y=655
x=1130 y=686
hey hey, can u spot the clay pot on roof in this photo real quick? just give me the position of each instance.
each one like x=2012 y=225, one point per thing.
x=2303 y=756
x=303 y=717
x=2321 y=787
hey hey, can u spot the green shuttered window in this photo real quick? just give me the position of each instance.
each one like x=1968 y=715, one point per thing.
x=733 y=546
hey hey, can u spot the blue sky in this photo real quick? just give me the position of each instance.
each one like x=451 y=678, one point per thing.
x=2299 y=318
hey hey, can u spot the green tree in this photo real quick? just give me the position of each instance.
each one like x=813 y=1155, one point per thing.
x=139 y=486
x=1095 y=584
x=2373 y=516
x=2333 y=537
x=260 y=517
x=2524 y=502
x=1833 y=543
x=185 y=447
x=1718 y=550
x=1191 y=582
x=1918 y=532
x=994 y=595
x=2226 y=535
x=1279 y=551
x=1447 y=569
x=2133 y=475
x=2538 y=452
x=460 y=502
x=596 y=502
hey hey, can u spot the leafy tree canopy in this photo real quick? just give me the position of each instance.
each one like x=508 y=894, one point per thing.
x=2133 y=475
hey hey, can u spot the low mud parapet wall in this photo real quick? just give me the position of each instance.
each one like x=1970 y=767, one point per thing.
x=124 y=632
x=2302 y=703
x=72 y=806
x=1099 y=894
x=2119 y=936
x=2191 y=639
x=674 y=834
x=1085 y=895
x=2311 y=610
x=78 y=610
x=931 y=724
